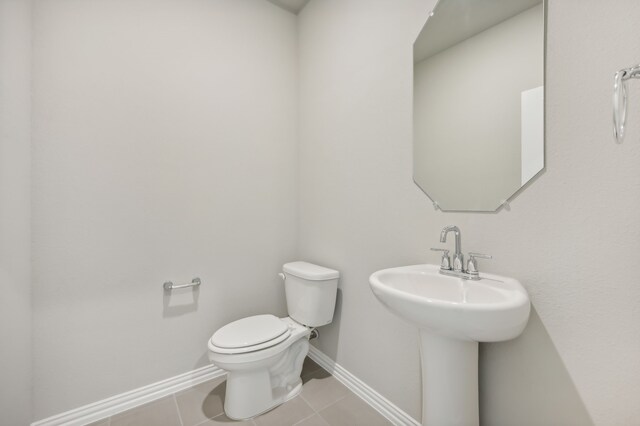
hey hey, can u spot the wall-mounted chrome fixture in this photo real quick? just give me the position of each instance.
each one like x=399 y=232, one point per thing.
x=620 y=100
x=168 y=286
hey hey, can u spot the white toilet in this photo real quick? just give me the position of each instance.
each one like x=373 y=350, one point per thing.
x=263 y=354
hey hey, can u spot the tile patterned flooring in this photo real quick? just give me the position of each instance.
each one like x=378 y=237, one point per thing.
x=323 y=402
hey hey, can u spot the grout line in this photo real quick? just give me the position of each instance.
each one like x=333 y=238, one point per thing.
x=305 y=400
x=336 y=401
x=204 y=421
x=251 y=421
x=328 y=405
x=324 y=420
x=175 y=401
x=306 y=418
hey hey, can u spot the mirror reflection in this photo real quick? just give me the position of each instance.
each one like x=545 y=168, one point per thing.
x=479 y=101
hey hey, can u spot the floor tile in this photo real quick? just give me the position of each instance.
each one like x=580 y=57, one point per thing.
x=103 y=422
x=352 y=411
x=314 y=420
x=201 y=402
x=286 y=414
x=321 y=389
x=309 y=367
x=224 y=420
x=162 y=412
x=323 y=402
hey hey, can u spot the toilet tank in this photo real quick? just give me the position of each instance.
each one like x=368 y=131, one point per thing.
x=311 y=292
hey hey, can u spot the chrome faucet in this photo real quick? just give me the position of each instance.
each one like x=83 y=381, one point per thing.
x=458 y=270
x=458 y=257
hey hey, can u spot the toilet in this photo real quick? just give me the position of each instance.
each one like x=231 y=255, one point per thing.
x=263 y=354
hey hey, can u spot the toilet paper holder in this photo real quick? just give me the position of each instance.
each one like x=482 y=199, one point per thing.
x=168 y=286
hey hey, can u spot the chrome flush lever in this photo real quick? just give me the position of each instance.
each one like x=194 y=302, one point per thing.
x=472 y=264
x=445 y=262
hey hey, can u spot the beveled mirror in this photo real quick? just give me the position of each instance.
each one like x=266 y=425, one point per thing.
x=478 y=102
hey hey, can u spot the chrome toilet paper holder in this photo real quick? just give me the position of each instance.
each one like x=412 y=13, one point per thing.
x=168 y=286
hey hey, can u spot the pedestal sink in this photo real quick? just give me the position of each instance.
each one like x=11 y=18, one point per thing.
x=453 y=315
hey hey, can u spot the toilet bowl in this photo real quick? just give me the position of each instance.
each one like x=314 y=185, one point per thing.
x=263 y=354
x=260 y=379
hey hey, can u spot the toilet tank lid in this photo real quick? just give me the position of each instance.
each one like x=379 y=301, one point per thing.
x=309 y=271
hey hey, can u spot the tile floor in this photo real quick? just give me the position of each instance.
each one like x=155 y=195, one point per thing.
x=323 y=402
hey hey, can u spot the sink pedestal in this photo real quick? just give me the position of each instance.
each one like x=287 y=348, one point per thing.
x=449 y=380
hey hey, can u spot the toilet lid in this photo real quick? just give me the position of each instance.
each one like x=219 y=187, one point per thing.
x=249 y=331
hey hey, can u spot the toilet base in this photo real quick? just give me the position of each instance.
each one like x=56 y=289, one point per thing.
x=253 y=392
x=276 y=403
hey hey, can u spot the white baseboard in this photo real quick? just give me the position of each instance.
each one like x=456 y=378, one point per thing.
x=125 y=401
x=381 y=404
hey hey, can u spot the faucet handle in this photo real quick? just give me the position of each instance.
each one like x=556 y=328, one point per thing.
x=472 y=264
x=445 y=262
x=480 y=255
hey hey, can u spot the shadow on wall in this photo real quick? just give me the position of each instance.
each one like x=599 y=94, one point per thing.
x=542 y=391
x=180 y=302
x=330 y=335
x=203 y=360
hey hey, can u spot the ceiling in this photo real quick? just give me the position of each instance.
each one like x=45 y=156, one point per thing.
x=454 y=21
x=293 y=6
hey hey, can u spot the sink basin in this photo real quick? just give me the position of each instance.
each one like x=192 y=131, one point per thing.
x=453 y=315
x=491 y=309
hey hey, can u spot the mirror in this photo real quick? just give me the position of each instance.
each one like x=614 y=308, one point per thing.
x=478 y=102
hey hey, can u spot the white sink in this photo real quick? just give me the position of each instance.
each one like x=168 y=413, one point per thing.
x=453 y=315
x=491 y=309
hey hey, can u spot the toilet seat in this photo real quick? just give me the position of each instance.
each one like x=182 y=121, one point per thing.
x=250 y=334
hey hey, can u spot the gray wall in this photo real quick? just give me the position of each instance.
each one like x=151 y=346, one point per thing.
x=160 y=153
x=467 y=113
x=15 y=217
x=164 y=148
x=572 y=237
